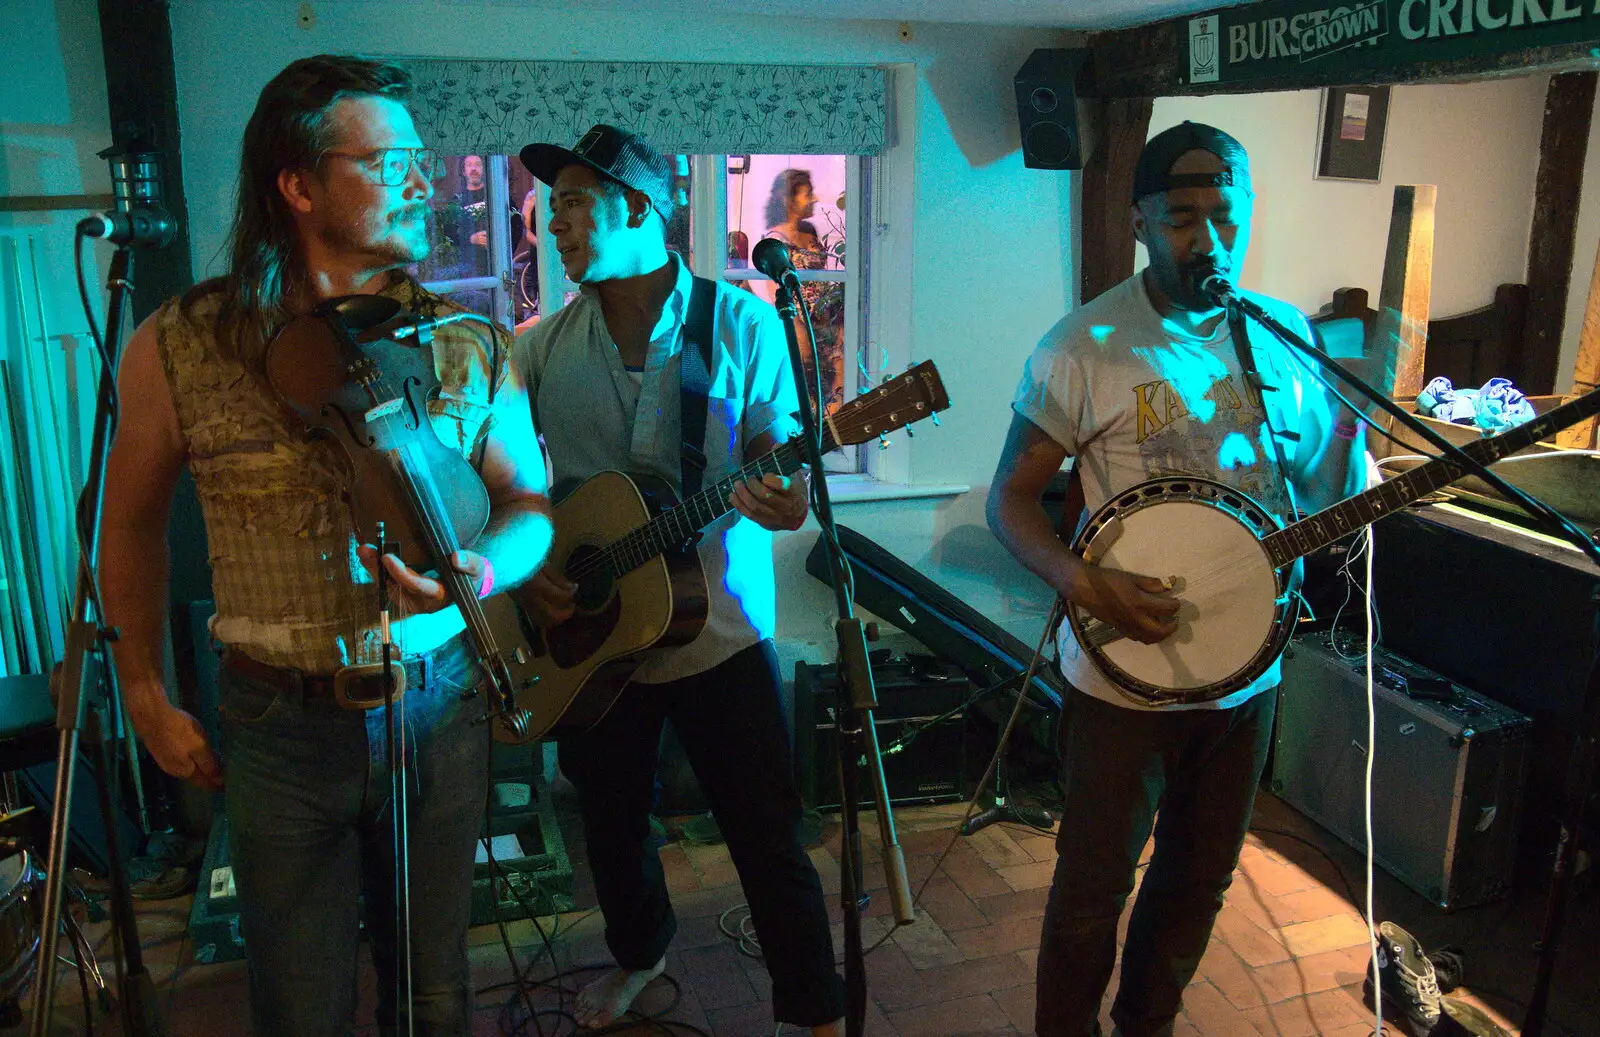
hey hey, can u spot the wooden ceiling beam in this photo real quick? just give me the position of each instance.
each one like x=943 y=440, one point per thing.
x=1558 y=188
x=1107 y=180
x=1258 y=47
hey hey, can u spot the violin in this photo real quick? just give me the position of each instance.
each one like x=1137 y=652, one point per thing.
x=344 y=370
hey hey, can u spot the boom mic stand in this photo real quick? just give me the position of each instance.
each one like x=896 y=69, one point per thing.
x=1225 y=294
x=858 y=738
x=139 y=221
x=1582 y=770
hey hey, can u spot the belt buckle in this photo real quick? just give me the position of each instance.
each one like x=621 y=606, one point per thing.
x=343 y=677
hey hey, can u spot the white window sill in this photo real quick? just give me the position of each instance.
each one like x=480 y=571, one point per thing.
x=856 y=489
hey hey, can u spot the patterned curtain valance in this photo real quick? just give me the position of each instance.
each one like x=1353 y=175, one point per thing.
x=497 y=107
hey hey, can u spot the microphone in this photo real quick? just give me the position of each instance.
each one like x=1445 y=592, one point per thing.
x=771 y=257
x=139 y=219
x=1219 y=290
x=145 y=225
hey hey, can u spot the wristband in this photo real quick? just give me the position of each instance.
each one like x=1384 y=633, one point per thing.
x=486 y=587
x=1345 y=430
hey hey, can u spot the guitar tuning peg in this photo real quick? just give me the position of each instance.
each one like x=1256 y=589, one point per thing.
x=911 y=433
x=883 y=441
x=935 y=417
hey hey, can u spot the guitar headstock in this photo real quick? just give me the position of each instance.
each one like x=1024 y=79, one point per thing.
x=903 y=399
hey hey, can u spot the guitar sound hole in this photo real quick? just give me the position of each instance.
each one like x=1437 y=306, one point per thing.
x=594 y=586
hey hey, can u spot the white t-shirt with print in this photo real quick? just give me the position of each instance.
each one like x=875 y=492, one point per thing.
x=1135 y=397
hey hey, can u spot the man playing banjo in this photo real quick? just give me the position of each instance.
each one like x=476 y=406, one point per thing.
x=1147 y=382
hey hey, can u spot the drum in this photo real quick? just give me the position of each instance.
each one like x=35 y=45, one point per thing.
x=21 y=900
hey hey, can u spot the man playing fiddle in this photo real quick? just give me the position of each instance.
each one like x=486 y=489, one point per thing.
x=332 y=196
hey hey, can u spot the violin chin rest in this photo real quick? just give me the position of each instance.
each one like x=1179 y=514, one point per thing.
x=359 y=312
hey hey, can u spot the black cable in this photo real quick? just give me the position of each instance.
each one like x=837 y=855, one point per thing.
x=494 y=881
x=913 y=730
x=79 y=951
x=624 y=1022
x=107 y=390
x=1349 y=890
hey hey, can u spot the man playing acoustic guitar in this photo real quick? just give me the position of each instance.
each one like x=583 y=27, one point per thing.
x=1145 y=382
x=607 y=375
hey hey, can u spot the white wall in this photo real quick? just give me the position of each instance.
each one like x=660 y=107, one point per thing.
x=987 y=265
x=1478 y=142
x=53 y=122
x=987 y=269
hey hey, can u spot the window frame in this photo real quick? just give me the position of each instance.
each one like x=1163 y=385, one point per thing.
x=497 y=200
x=878 y=304
x=708 y=237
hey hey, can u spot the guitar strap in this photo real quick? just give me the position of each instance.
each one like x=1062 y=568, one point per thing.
x=694 y=369
x=1240 y=333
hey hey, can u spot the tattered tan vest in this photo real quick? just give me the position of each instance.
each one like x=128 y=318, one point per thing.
x=289 y=588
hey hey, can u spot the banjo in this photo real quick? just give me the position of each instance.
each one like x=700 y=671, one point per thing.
x=1231 y=565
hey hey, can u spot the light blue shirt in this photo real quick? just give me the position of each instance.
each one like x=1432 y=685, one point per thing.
x=595 y=417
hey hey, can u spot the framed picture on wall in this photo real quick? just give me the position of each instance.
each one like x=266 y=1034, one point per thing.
x=1350 y=143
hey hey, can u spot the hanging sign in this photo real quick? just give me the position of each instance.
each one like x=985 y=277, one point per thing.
x=1279 y=39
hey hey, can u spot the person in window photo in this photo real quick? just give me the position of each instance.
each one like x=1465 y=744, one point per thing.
x=789 y=210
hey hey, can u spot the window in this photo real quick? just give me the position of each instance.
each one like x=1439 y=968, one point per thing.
x=480 y=249
x=489 y=230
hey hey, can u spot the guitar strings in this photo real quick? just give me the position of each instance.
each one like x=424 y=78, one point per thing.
x=647 y=539
x=643 y=540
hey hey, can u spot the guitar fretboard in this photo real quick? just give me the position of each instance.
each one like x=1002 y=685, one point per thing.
x=676 y=526
x=1326 y=526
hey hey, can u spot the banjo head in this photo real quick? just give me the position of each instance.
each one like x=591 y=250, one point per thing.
x=1235 y=609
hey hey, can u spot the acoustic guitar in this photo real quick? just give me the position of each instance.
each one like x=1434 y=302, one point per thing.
x=629 y=546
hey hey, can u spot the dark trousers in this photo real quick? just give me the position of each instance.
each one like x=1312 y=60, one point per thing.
x=1193 y=774
x=733 y=731
x=311 y=823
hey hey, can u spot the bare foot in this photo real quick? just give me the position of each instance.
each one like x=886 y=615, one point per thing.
x=602 y=1002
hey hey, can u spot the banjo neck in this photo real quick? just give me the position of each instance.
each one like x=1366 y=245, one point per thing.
x=1326 y=526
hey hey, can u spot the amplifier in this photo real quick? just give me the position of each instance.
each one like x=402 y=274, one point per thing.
x=1447 y=778
x=912 y=693
x=1505 y=613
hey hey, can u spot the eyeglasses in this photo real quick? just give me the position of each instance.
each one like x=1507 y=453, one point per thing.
x=392 y=165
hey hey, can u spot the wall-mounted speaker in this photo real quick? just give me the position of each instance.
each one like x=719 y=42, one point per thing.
x=1051 y=87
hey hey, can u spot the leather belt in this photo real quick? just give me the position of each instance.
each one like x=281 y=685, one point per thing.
x=351 y=687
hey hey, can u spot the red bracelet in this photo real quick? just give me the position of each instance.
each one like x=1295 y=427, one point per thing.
x=486 y=586
x=1345 y=430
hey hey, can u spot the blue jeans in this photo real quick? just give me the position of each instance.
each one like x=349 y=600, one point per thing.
x=1191 y=774
x=310 y=819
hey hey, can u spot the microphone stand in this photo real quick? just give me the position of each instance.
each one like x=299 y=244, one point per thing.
x=1537 y=509
x=1582 y=767
x=858 y=737
x=75 y=685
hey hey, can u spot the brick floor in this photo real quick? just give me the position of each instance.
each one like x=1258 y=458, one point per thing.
x=1286 y=957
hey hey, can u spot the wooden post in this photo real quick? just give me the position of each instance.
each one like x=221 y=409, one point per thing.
x=1586 y=372
x=142 y=95
x=1569 y=103
x=1407 y=287
x=1107 y=185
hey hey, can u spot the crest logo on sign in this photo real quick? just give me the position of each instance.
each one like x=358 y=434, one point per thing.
x=1205 y=50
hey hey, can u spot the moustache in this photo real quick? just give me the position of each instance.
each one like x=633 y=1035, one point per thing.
x=410 y=212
